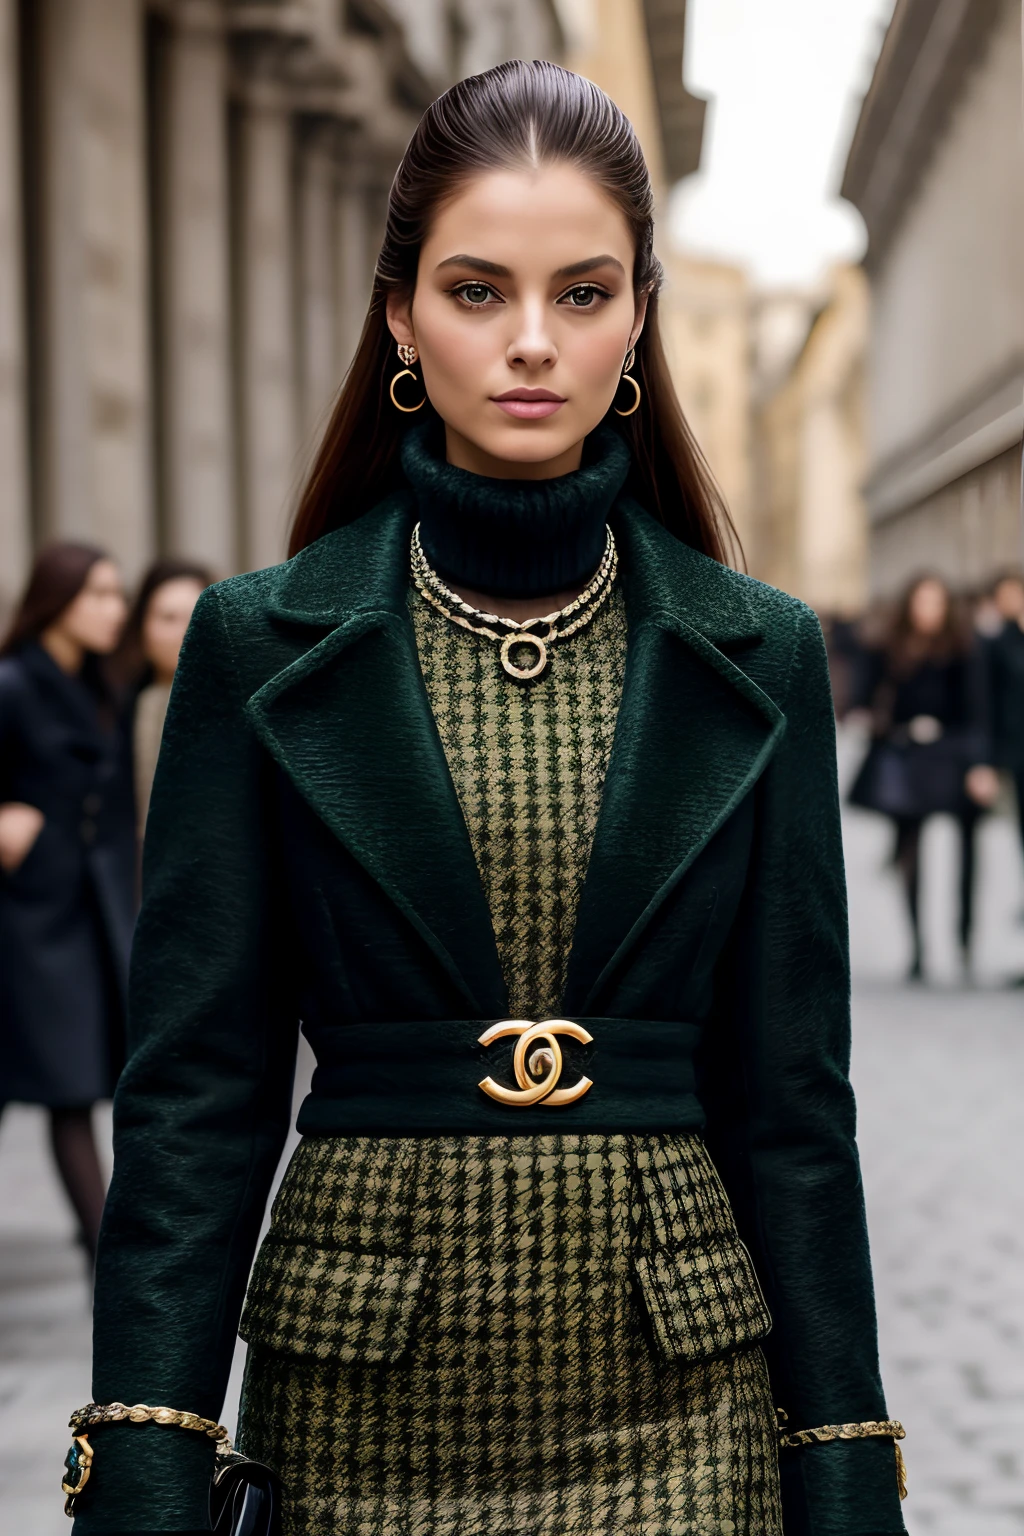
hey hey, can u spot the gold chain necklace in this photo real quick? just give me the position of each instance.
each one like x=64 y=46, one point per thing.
x=454 y=608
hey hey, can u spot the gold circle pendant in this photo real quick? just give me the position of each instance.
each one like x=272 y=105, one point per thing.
x=523 y=674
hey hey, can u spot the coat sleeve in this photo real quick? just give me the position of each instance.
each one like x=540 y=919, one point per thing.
x=202 y=1110
x=781 y=1121
x=9 y=726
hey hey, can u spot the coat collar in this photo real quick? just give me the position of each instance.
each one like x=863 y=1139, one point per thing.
x=365 y=566
x=350 y=722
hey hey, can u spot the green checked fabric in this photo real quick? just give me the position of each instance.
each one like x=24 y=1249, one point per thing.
x=360 y=1302
x=528 y=763
x=551 y=1335
x=529 y=1381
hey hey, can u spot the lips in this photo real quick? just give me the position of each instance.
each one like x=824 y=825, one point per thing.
x=529 y=404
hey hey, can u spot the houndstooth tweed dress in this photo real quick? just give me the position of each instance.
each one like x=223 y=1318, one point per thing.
x=513 y=1336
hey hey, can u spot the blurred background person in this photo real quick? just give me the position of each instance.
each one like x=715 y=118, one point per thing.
x=1004 y=653
x=844 y=644
x=925 y=687
x=148 y=658
x=985 y=613
x=67 y=857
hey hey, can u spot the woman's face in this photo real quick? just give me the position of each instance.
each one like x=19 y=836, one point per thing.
x=95 y=618
x=929 y=607
x=1009 y=597
x=522 y=316
x=165 y=622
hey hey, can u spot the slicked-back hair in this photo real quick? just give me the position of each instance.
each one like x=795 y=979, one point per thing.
x=516 y=115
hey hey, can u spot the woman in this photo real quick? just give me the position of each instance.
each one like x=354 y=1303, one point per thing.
x=503 y=1290
x=925 y=688
x=1004 y=654
x=152 y=641
x=66 y=860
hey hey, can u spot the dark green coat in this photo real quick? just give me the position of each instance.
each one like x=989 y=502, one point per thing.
x=307 y=859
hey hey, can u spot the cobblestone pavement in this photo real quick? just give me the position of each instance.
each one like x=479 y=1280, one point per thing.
x=939 y=1072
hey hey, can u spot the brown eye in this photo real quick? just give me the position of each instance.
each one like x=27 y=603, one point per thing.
x=582 y=298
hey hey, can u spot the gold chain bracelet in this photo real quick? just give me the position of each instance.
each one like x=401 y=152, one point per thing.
x=94 y=1414
x=870 y=1430
x=81 y=1455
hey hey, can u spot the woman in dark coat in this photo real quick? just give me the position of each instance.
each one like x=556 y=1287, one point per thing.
x=1005 y=657
x=926 y=689
x=505 y=741
x=66 y=859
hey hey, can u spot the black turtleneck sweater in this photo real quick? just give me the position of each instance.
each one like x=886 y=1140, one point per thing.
x=514 y=538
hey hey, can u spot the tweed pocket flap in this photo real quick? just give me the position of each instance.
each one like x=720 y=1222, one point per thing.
x=702 y=1302
x=354 y=1308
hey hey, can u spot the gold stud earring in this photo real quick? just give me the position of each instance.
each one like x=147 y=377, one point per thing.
x=627 y=379
x=408 y=355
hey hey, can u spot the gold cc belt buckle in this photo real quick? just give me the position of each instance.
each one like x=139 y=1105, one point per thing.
x=536 y=1062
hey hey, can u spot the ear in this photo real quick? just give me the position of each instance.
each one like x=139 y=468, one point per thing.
x=638 y=320
x=399 y=315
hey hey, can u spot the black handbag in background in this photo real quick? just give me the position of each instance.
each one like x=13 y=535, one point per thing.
x=245 y=1498
x=903 y=779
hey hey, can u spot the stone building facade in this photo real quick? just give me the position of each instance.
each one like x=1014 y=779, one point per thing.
x=936 y=168
x=808 y=533
x=706 y=308
x=191 y=199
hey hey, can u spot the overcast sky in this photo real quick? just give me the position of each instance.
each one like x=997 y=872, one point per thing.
x=784 y=78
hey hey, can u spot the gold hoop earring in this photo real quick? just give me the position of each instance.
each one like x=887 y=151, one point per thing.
x=408 y=356
x=627 y=379
x=407 y=410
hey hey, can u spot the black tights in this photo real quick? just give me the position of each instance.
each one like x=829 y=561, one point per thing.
x=78 y=1163
x=908 y=862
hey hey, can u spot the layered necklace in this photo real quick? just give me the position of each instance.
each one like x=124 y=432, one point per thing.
x=510 y=634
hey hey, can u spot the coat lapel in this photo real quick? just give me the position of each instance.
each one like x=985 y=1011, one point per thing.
x=71 y=700
x=348 y=719
x=350 y=723
x=693 y=735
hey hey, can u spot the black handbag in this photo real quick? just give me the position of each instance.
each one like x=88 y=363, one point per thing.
x=245 y=1498
x=903 y=779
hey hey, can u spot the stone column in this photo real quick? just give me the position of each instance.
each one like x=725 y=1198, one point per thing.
x=354 y=261
x=15 y=538
x=266 y=386
x=317 y=276
x=198 y=448
x=95 y=411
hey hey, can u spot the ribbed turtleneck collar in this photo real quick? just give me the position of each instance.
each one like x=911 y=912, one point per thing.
x=514 y=538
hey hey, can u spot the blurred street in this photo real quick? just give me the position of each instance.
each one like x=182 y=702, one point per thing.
x=938 y=1071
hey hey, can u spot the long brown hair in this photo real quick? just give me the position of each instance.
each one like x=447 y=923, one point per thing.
x=57 y=577
x=128 y=664
x=516 y=114
x=907 y=648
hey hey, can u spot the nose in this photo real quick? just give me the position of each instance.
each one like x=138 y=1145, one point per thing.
x=533 y=346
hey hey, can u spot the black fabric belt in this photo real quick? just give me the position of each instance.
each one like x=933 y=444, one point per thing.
x=423 y=1079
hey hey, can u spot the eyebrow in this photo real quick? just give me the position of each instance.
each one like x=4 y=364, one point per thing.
x=578 y=268
x=492 y=268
